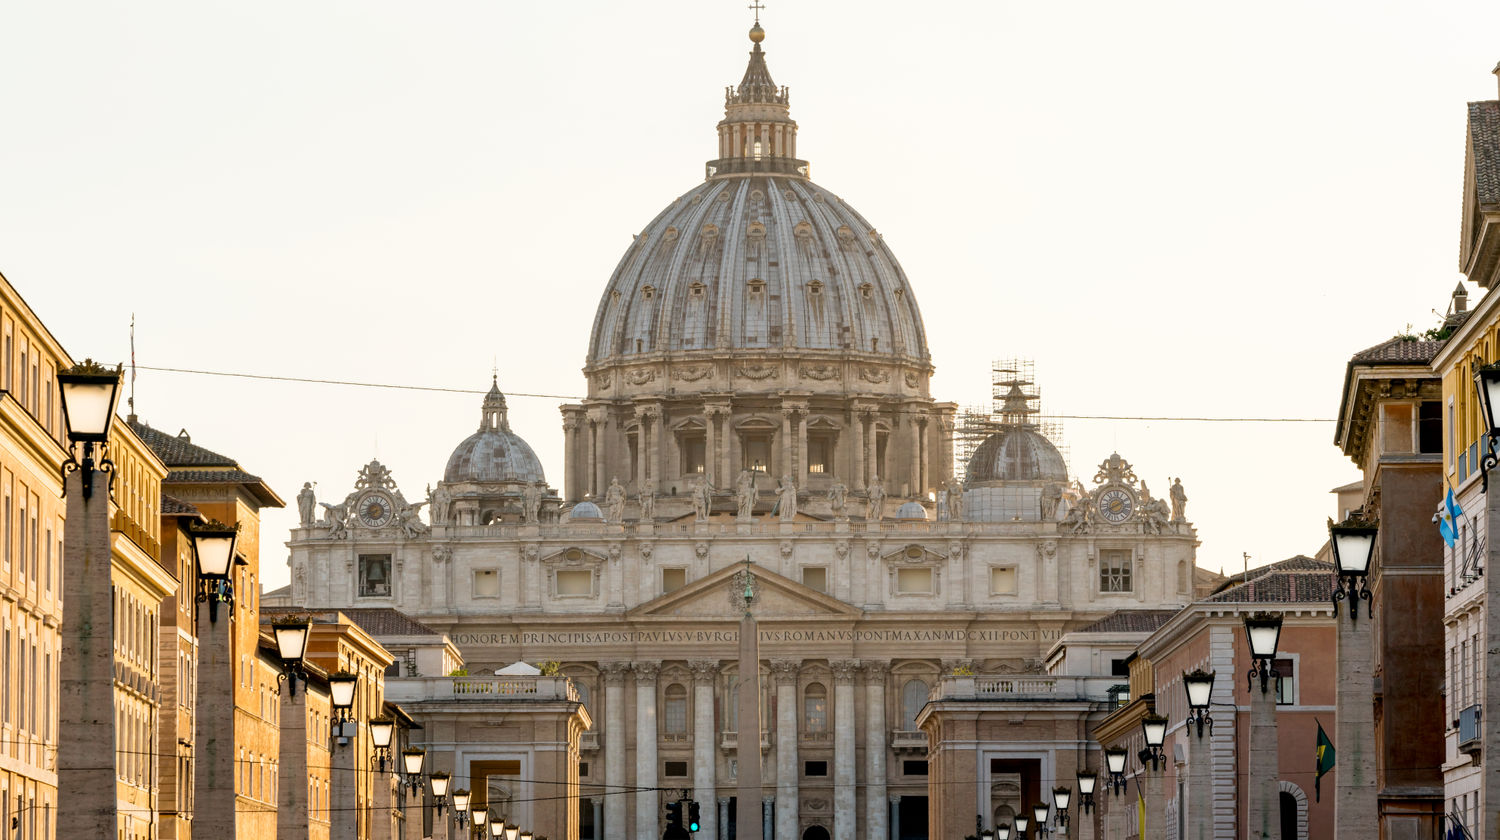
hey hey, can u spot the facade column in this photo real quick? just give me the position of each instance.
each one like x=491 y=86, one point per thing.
x=601 y=480
x=844 y=780
x=1200 y=818
x=710 y=444
x=784 y=671
x=872 y=444
x=641 y=450
x=1264 y=807
x=597 y=832
x=895 y=818
x=656 y=466
x=214 y=803
x=788 y=443
x=723 y=820
x=876 y=735
x=570 y=458
x=647 y=800
x=924 y=456
x=614 y=748
x=767 y=810
x=857 y=458
x=801 y=474
x=705 y=785
x=1356 y=808
x=913 y=421
x=726 y=446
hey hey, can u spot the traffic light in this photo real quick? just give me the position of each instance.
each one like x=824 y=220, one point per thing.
x=693 y=816
x=674 y=814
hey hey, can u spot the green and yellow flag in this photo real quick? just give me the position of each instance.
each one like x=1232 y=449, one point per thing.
x=1325 y=760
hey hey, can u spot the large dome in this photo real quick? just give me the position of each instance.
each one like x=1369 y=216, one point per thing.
x=1016 y=453
x=760 y=264
x=494 y=454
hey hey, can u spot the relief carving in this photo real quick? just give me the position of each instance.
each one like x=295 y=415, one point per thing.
x=911 y=379
x=874 y=374
x=692 y=373
x=756 y=371
x=822 y=373
x=640 y=376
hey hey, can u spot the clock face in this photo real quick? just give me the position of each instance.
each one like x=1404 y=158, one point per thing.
x=375 y=510
x=1116 y=505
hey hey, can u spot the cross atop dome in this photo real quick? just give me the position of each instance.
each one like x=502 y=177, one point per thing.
x=757 y=134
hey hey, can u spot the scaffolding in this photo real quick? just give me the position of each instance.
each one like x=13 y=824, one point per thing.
x=1015 y=400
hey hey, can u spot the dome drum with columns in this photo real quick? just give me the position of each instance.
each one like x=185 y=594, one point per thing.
x=758 y=322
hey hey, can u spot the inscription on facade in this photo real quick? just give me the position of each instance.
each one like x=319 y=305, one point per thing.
x=633 y=637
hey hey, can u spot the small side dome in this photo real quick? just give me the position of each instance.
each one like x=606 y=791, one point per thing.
x=585 y=511
x=494 y=454
x=1016 y=453
x=912 y=512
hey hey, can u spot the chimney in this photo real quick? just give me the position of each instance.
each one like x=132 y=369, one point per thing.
x=1460 y=300
x=1496 y=71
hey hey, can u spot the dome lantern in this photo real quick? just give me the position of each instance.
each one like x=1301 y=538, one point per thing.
x=757 y=134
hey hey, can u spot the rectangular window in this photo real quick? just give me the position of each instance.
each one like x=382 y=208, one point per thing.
x=1395 y=428
x=1114 y=571
x=815 y=578
x=820 y=449
x=575 y=583
x=374 y=575
x=815 y=768
x=36 y=539
x=5 y=684
x=1452 y=437
x=694 y=454
x=755 y=451
x=912 y=767
x=914 y=581
x=583 y=768
x=486 y=583
x=1430 y=426
x=674 y=768
x=1286 y=682
x=880 y=446
x=1002 y=580
x=673 y=580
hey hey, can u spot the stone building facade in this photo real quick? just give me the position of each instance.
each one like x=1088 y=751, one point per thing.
x=757 y=391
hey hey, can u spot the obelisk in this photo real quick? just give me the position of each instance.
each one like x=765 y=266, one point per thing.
x=748 y=806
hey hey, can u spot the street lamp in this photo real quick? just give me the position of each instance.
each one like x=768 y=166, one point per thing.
x=1155 y=728
x=1002 y=831
x=480 y=814
x=1022 y=821
x=1263 y=631
x=382 y=731
x=291 y=644
x=1487 y=382
x=497 y=829
x=1114 y=760
x=527 y=835
x=1062 y=797
x=412 y=759
x=341 y=688
x=439 y=781
x=213 y=550
x=461 y=807
x=1353 y=546
x=89 y=392
x=512 y=831
x=1039 y=816
x=1087 y=781
x=986 y=835
x=1200 y=689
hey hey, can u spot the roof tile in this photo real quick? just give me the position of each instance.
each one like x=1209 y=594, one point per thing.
x=1399 y=351
x=1484 y=137
x=179 y=450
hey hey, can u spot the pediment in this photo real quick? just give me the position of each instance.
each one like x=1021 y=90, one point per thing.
x=914 y=555
x=573 y=557
x=713 y=596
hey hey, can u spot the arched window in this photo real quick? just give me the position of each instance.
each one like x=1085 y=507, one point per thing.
x=583 y=697
x=913 y=698
x=676 y=710
x=815 y=708
x=755 y=150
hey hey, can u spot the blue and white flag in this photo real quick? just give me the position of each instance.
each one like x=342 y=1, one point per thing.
x=1448 y=519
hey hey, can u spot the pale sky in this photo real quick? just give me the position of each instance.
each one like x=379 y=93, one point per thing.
x=1176 y=209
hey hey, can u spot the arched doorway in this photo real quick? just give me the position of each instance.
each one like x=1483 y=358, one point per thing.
x=815 y=832
x=1289 y=817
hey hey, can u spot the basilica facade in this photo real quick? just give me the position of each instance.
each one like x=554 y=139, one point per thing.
x=757 y=397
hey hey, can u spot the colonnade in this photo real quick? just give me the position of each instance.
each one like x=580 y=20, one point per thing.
x=783 y=814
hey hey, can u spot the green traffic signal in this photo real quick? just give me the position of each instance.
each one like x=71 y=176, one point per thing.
x=693 y=817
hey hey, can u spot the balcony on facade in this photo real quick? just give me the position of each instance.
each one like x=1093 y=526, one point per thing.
x=1024 y=688
x=1469 y=732
x=520 y=687
x=729 y=741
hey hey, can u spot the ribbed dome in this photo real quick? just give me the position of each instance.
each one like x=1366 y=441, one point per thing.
x=912 y=511
x=494 y=454
x=764 y=264
x=1018 y=453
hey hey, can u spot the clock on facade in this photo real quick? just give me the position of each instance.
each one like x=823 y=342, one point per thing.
x=375 y=510
x=1116 y=505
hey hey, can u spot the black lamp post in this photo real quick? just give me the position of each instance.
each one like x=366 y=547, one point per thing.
x=1353 y=546
x=497 y=829
x=1200 y=689
x=1114 y=761
x=1487 y=382
x=341 y=688
x=1002 y=831
x=1263 y=631
x=1022 y=822
x=1061 y=798
x=213 y=549
x=1087 y=781
x=461 y=807
x=439 y=781
x=1039 y=816
x=1155 y=728
x=89 y=392
x=382 y=732
x=291 y=644
x=480 y=815
x=412 y=759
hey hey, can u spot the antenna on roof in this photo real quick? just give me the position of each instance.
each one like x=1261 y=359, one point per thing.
x=130 y=417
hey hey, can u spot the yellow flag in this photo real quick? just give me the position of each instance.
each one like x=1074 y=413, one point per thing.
x=1140 y=810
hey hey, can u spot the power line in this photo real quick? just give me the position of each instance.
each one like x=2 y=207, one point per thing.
x=442 y=390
